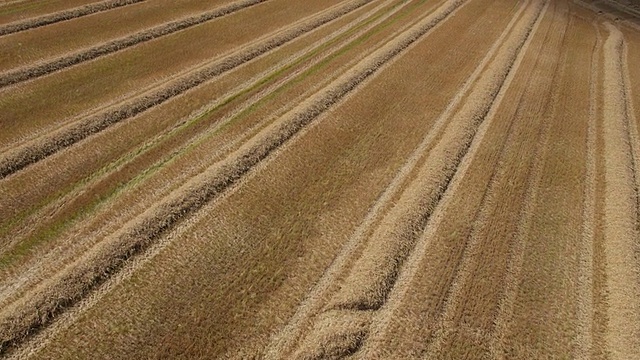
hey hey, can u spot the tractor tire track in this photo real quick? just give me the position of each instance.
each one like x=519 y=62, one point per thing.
x=64 y=15
x=634 y=135
x=373 y=299
x=449 y=322
x=472 y=255
x=38 y=149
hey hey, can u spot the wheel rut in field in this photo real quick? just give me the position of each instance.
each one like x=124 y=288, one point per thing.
x=38 y=149
x=472 y=252
x=374 y=274
x=64 y=15
x=74 y=282
x=44 y=68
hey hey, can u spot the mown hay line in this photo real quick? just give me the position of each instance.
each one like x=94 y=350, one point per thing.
x=227 y=97
x=44 y=68
x=406 y=221
x=374 y=274
x=64 y=289
x=38 y=149
x=508 y=61
x=64 y=15
x=330 y=344
x=282 y=342
x=6 y=292
x=620 y=210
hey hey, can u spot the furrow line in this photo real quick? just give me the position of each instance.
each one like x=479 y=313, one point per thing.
x=64 y=15
x=38 y=149
x=73 y=283
x=585 y=278
x=283 y=342
x=44 y=68
x=620 y=210
x=513 y=57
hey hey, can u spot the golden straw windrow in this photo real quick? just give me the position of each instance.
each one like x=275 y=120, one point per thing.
x=63 y=15
x=14 y=10
x=187 y=150
x=113 y=215
x=110 y=83
x=493 y=77
x=316 y=299
x=362 y=179
x=65 y=288
x=442 y=38
x=64 y=38
x=37 y=149
x=620 y=211
x=41 y=68
x=88 y=191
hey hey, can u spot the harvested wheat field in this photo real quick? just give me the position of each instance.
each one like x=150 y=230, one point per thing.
x=320 y=179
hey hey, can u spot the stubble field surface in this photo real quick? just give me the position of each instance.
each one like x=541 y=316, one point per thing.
x=322 y=179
